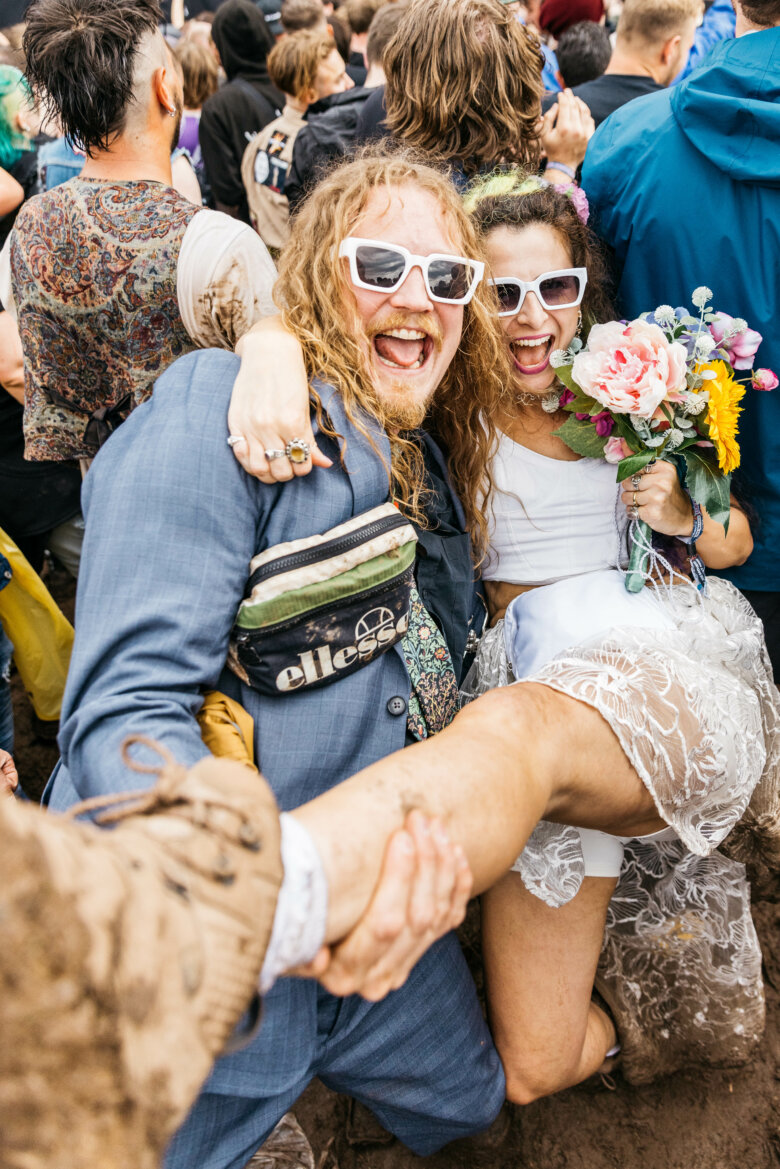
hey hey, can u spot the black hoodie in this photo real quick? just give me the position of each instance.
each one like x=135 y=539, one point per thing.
x=246 y=103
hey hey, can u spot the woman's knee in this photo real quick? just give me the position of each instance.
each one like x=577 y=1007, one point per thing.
x=530 y=1077
x=525 y=1084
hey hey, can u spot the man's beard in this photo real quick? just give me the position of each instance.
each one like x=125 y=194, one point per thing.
x=399 y=413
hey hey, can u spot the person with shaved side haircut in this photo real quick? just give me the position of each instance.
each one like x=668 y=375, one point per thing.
x=114 y=275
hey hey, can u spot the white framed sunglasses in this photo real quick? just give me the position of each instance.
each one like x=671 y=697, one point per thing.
x=554 y=290
x=383 y=267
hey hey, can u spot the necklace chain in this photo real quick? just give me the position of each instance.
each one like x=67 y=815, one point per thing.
x=550 y=402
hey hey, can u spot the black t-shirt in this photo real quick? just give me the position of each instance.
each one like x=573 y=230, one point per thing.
x=371 y=123
x=34 y=497
x=356 y=68
x=608 y=93
x=25 y=171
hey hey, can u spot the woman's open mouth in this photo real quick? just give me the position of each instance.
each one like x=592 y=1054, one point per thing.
x=406 y=349
x=531 y=354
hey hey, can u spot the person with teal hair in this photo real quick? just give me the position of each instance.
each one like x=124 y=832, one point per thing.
x=14 y=101
x=18 y=125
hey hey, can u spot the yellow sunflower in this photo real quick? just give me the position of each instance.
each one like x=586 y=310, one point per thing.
x=723 y=412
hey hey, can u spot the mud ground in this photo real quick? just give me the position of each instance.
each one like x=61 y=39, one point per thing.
x=701 y=1119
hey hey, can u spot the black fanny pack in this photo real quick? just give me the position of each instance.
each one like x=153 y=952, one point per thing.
x=320 y=608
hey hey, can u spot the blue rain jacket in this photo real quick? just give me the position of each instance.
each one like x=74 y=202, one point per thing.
x=685 y=186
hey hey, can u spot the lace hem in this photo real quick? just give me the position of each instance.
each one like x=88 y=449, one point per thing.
x=696 y=711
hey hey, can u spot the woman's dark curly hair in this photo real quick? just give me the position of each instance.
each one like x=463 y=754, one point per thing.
x=512 y=198
x=464 y=82
x=80 y=61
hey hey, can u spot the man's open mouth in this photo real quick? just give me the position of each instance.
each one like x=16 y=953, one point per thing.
x=403 y=348
x=531 y=354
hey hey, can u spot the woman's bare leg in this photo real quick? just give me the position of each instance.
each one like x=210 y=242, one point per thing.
x=540 y=964
x=513 y=757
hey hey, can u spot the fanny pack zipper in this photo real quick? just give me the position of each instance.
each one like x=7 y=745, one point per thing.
x=280 y=626
x=326 y=550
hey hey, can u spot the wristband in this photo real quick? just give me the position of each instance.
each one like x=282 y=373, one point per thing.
x=698 y=524
x=561 y=166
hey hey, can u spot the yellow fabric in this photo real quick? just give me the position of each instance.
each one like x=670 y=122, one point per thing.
x=42 y=636
x=227 y=729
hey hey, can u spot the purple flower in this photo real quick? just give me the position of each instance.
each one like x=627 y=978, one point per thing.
x=566 y=397
x=605 y=424
x=582 y=417
x=740 y=348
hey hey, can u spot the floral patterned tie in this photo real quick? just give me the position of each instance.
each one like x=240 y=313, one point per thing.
x=434 y=700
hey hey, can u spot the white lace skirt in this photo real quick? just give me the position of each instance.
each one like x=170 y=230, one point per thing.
x=684 y=682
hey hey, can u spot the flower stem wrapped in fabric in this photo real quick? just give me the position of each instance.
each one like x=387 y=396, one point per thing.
x=662 y=387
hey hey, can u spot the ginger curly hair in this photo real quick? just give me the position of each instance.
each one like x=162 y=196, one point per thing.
x=318 y=306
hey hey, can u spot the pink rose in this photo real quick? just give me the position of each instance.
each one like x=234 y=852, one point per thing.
x=630 y=368
x=764 y=379
x=616 y=449
x=740 y=349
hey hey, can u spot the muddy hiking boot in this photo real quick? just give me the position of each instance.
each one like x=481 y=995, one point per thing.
x=127 y=957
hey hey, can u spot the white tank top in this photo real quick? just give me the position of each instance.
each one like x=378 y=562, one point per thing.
x=552 y=519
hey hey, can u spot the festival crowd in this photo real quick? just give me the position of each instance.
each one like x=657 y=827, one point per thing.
x=387 y=374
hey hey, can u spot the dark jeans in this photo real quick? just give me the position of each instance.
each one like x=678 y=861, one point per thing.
x=767 y=605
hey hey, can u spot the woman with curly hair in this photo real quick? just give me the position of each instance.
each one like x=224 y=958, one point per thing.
x=660 y=920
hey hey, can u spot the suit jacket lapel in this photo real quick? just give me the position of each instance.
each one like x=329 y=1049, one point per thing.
x=366 y=471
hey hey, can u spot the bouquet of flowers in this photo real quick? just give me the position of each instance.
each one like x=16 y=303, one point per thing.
x=662 y=387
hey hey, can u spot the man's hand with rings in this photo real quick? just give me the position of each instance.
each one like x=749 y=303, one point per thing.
x=269 y=421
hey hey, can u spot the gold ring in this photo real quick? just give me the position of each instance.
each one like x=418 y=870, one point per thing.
x=297 y=450
x=635 y=504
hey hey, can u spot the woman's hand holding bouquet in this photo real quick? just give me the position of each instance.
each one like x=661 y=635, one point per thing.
x=662 y=387
x=664 y=505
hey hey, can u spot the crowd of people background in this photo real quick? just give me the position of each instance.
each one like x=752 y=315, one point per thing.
x=280 y=289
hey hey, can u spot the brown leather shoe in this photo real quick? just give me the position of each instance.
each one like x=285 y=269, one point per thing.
x=126 y=959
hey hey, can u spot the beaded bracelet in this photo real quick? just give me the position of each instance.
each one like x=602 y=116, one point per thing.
x=698 y=524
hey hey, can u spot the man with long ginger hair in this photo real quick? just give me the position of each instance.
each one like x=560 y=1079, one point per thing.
x=381 y=284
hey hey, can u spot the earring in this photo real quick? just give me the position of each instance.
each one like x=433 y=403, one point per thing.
x=579 y=324
x=172 y=114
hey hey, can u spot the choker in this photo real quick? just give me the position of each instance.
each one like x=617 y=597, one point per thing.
x=549 y=402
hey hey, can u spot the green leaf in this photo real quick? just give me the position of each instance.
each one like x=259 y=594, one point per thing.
x=580 y=405
x=625 y=430
x=581 y=437
x=633 y=464
x=564 y=373
x=708 y=485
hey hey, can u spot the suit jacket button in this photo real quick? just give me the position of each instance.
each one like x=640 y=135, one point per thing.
x=396 y=706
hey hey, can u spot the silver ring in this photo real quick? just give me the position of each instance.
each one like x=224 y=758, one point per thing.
x=235 y=439
x=271 y=455
x=297 y=450
x=633 y=511
x=636 y=481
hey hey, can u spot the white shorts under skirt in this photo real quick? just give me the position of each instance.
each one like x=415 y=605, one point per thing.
x=602 y=853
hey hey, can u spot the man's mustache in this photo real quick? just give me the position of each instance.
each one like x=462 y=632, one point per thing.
x=421 y=324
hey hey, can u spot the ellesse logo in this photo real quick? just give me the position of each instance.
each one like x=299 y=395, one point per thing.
x=376 y=629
